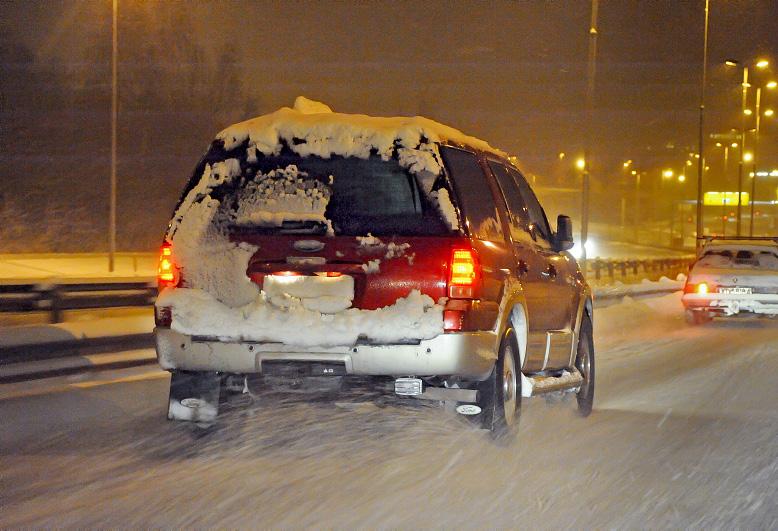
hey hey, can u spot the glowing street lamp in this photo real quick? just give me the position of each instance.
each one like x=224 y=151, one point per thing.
x=769 y=112
x=668 y=173
x=681 y=178
x=760 y=64
x=580 y=163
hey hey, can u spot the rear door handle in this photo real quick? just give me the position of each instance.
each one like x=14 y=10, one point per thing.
x=550 y=272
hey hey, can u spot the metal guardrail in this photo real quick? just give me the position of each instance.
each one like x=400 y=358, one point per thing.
x=651 y=269
x=55 y=298
x=58 y=296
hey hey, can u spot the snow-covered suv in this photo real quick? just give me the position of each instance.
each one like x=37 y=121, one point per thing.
x=313 y=244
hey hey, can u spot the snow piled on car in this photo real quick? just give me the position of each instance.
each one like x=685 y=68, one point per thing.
x=285 y=194
x=218 y=299
x=195 y=312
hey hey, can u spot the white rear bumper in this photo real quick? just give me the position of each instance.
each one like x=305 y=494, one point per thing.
x=732 y=303
x=468 y=354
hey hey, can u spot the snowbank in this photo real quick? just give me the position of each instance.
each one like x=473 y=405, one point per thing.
x=646 y=286
x=196 y=312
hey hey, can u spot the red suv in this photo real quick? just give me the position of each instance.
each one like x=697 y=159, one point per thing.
x=316 y=245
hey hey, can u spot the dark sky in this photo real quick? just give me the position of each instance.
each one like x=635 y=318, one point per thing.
x=512 y=73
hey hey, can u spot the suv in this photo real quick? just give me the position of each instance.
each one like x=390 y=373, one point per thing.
x=312 y=245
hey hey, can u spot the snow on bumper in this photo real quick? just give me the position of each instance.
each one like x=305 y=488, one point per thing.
x=732 y=303
x=470 y=354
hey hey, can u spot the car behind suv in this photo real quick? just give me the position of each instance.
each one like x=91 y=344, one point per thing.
x=735 y=276
x=316 y=245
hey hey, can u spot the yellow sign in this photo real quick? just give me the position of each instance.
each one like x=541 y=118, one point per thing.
x=724 y=198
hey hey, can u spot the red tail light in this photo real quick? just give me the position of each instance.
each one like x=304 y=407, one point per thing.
x=701 y=289
x=167 y=272
x=464 y=274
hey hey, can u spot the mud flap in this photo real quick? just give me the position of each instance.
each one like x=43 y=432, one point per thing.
x=194 y=396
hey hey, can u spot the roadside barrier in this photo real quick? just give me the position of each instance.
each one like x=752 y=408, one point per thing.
x=55 y=298
x=58 y=296
x=651 y=269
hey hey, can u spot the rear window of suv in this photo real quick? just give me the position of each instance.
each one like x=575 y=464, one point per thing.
x=292 y=194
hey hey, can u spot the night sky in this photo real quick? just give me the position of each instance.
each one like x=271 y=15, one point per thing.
x=512 y=73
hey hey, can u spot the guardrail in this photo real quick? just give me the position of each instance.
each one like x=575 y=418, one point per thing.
x=55 y=298
x=651 y=269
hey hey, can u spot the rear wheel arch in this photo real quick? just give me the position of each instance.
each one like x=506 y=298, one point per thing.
x=518 y=322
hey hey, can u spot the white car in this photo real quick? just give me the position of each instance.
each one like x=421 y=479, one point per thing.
x=733 y=276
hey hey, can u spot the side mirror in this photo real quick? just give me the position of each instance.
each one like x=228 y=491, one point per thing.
x=564 y=233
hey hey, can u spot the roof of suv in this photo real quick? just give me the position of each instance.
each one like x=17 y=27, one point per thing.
x=314 y=129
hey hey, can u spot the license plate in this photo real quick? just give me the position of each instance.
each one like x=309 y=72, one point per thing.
x=735 y=291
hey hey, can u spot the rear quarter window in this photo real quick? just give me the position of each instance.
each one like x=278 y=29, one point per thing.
x=473 y=192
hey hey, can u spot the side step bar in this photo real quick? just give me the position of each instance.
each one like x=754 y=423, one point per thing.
x=549 y=384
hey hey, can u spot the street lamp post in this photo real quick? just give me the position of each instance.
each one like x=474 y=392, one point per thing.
x=591 y=71
x=114 y=117
x=744 y=112
x=769 y=85
x=742 y=148
x=701 y=161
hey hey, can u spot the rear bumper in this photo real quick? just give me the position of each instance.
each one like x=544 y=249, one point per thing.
x=470 y=355
x=731 y=304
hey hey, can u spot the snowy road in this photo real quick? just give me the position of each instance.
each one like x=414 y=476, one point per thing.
x=684 y=433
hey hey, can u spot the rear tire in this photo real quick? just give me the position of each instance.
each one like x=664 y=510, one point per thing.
x=194 y=396
x=500 y=394
x=698 y=317
x=584 y=362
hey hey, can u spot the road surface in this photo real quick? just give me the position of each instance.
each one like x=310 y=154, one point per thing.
x=684 y=434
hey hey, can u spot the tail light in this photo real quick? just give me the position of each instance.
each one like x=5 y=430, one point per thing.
x=701 y=289
x=167 y=272
x=464 y=274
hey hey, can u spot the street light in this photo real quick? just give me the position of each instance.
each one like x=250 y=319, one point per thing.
x=701 y=144
x=114 y=119
x=760 y=64
x=580 y=163
x=770 y=85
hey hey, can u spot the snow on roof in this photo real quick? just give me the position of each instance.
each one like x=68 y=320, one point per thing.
x=744 y=243
x=311 y=128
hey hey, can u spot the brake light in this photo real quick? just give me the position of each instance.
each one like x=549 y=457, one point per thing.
x=700 y=289
x=464 y=275
x=286 y=274
x=167 y=272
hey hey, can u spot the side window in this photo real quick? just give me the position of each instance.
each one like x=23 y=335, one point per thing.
x=473 y=193
x=537 y=216
x=517 y=210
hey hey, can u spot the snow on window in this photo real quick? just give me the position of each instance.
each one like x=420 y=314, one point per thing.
x=285 y=194
x=446 y=208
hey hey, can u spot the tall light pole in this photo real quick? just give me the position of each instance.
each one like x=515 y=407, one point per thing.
x=742 y=148
x=114 y=119
x=701 y=160
x=760 y=64
x=770 y=85
x=591 y=71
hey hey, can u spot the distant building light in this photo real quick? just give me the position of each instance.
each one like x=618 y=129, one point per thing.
x=724 y=198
